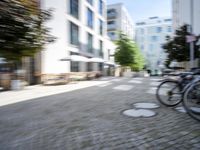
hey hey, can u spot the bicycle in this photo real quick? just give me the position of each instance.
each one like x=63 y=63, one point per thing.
x=170 y=91
x=191 y=100
x=188 y=90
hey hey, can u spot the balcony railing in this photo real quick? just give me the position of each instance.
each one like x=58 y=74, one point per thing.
x=112 y=15
x=111 y=26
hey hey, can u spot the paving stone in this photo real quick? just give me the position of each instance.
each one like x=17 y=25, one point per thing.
x=92 y=119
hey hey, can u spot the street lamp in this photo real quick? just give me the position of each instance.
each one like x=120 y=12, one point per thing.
x=191 y=31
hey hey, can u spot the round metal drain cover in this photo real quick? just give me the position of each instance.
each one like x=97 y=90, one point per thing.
x=180 y=109
x=139 y=113
x=146 y=105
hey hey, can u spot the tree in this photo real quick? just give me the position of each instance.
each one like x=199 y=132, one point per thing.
x=177 y=48
x=22 y=30
x=139 y=60
x=127 y=53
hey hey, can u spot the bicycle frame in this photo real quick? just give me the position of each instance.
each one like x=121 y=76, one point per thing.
x=196 y=79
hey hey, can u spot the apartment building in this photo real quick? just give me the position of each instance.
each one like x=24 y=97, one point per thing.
x=81 y=31
x=150 y=36
x=186 y=12
x=118 y=19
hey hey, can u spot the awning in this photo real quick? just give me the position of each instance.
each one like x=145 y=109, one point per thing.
x=109 y=63
x=76 y=58
x=98 y=60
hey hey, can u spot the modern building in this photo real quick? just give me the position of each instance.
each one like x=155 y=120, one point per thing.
x=81 y=32
x=186 y=12
x=118 y=19
x=150 y=36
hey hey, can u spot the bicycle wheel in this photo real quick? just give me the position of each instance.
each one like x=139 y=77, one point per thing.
x=168 y=93
x=191 y=101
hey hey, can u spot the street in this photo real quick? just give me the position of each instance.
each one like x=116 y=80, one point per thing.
x=92 y=118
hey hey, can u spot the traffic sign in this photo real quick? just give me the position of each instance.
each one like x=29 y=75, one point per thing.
x=190 y=38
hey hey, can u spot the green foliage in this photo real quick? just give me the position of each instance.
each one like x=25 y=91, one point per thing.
x=177 y=48
x=22 y=30
x=139 y=60
x=127 y=53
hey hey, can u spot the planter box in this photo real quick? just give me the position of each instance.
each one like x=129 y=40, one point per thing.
x=17 y=85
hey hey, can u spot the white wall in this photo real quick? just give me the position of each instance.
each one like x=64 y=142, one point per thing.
x=182 y=14
x=54 y=52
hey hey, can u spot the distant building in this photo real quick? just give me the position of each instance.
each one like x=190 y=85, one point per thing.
x=150 y=35
x=118 y=19
x=186 y=12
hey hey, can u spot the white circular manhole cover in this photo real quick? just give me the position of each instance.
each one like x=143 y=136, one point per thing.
x=146 y=105
x=139 y=113
x=180 y=109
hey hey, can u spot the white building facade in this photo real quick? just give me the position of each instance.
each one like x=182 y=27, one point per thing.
x=186 y=12
x=150 y=36
x=118 y=19
x=81 y=32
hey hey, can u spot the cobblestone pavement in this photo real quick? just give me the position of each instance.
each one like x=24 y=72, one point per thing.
x=92 y=119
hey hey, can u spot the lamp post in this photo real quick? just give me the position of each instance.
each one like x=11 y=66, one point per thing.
x=191 y=31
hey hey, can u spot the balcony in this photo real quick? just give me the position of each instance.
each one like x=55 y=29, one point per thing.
x=111 y=26
x=111 y=14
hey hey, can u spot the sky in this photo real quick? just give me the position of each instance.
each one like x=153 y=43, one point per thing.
x=143 y=9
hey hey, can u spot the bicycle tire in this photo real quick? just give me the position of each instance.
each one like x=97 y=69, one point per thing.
x=191 y=101
x=168 y=99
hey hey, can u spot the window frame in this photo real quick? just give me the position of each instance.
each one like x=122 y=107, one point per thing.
x=72 y=40
x=74 y=12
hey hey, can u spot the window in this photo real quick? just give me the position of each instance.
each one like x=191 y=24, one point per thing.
x=154 y=38
x=151 y=47
x=140 y=23
x=169 y=29
x=142 y=31
x=101 y=7
x=100 y=48
x=159 y=29
x=111 y=13
x=168 y=20
x=74 y=8
x=90 y=66
x=90 y=1
x=112 y=35
x=101 y=27
x=74 y=66
x=100 y=66
x=74 y=34
x=90 y=18
x=90 y=43
x=111 y=22
x=142 y=47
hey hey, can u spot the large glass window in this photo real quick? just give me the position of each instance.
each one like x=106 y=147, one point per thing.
x=74 y=66
x=90 y=18
x=100 y=27
x=100 y=48
x=74 y=8
x=90 y=1
x=159 y=29
x=101 y=7
x=169 y=29
x=74 y=37
x=90 y=66
x=90 y=43
x=154 y=38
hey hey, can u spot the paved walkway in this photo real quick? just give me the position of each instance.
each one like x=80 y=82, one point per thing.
x=37 y=91
x=92 y=119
